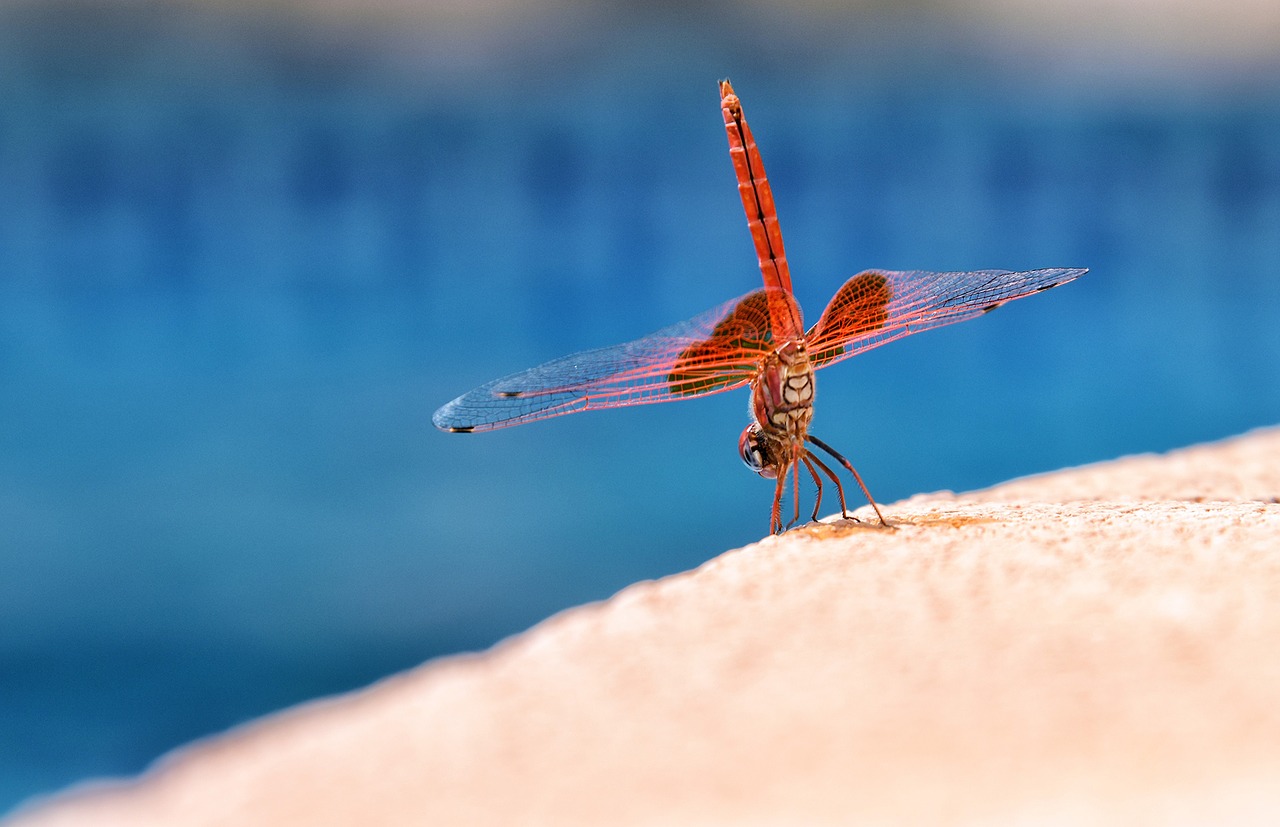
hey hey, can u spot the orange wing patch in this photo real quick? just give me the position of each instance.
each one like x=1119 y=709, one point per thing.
x=731 y=353
x=858 y=307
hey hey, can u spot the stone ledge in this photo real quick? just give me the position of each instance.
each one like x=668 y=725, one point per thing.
x=1096 y=645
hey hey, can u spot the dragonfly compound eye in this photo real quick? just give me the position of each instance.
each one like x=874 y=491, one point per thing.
x=754 y=453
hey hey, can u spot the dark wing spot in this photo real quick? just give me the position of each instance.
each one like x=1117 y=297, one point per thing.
x=732 y=349
x=991 y=307
x=860 y=306
x=463 y=429
x=1048 y=287
x=510 y=394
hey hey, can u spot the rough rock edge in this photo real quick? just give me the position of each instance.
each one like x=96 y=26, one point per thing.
x=1222 y=495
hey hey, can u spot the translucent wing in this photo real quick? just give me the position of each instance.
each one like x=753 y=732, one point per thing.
x=713 y=352
x=878 y=306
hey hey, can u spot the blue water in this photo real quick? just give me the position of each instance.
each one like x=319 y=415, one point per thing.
x=241 y=264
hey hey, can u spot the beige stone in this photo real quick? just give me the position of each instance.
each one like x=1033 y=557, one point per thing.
x=1093 y=646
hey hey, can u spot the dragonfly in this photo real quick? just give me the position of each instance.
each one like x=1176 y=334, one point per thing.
x=756 y=341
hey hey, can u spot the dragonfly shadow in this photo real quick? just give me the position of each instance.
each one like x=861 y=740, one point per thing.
x=840 y=526
x=949 y=520
x=848 y=525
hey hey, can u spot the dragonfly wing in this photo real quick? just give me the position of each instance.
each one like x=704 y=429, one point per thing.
x=878 y=306
x=716 y=351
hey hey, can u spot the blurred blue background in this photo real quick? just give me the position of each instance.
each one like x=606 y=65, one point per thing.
x=245 y=254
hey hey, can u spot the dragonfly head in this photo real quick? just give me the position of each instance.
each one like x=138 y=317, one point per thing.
x=757 y=452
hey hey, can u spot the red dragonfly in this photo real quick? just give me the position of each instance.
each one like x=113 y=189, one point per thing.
x=757 y=340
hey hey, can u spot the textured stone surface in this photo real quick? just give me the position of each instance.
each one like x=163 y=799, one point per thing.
x=1094 y=646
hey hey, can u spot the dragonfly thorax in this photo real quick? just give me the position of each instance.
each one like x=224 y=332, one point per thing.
x=782 y=393
x=781 y=407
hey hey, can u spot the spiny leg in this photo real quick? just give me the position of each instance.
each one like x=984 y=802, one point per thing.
x=775 y=520
x=795 y=490
x=844 y=510
x=817 y=503
x=824 y=446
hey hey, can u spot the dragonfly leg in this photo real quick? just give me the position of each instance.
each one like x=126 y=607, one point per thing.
x=824 y=446
x=775 y=520
x=817 y=502
x=844 y=510
x=795 y=490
